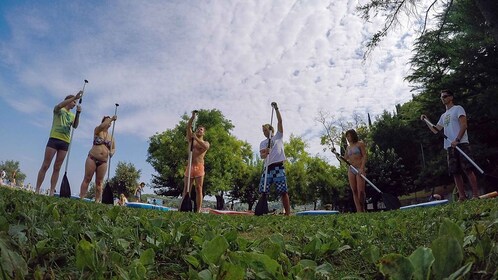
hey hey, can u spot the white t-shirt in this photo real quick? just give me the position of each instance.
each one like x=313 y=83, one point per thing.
x=276 y=149
x=449 y=121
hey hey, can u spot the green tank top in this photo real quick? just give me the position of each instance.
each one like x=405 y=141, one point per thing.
x=61 y=125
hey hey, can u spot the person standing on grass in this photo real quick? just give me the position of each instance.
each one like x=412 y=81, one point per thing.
x=454 y=123
x=60 y=137
x=199 y=149
x=96 y=161
x=274 y=157
x=356 y=154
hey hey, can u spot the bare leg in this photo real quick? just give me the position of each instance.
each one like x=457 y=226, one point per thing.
x=473 y=183
x=199 y=181
x=286 y=203
x=99 y=181
x=360 y=185
x=354 y=189
x=90 y=167
x=47 y=159
x=59 y=159
x=461 y=189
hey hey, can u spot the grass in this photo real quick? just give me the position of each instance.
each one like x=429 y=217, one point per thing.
x=47 y=237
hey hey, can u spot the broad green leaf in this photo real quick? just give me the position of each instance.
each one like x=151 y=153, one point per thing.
x=451 y=229
x=396 y=267
x=137 y=270
x=371 y=254
x=272 y=250
x=308 y=263
x=448 y=256
x=212 y=250
x=85 y=255
x=192 y=260
x=460 y=273
x=4 y=224
x=230 y=271
x=324 y=269
x=10 y=261
x=422 y=260
x=205 y=275
x=147 y=257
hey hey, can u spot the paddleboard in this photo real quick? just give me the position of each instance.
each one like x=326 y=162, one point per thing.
x=75 y=197
x=148 y=206
x=229 y=212
x=426 y=204
x=489 y=195
x=317 y=212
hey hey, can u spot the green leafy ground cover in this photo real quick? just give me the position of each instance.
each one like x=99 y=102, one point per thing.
x=46 y=238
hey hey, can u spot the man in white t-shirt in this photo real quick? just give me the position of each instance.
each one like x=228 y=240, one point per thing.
x=454 y=123
x=274 y=157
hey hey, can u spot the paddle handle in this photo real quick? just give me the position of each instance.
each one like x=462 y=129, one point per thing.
x=458 y=148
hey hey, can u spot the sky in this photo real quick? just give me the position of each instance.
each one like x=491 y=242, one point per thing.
x=161 y=59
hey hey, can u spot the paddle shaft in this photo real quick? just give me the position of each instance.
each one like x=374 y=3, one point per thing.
x=72 y=128
x=356 y=170
x=458 y=148
x=112 y=141
x=269 y=146
x=191 y=149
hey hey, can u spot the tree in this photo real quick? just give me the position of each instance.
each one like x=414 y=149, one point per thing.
x=224 y=162
x=393 y=9
x=10 y=166
x=125 y=179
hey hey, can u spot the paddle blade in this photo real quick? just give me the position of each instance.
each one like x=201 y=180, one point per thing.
x=262 y=206
x=391 y=201
x=107 y=196
x=65 y=190
x=186 y=204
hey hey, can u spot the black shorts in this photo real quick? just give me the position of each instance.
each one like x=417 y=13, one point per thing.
x=456 y=161
x=57 y=144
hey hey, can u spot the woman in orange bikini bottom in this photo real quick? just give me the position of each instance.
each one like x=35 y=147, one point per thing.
x=197 y=170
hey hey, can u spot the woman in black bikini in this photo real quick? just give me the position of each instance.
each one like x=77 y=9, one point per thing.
x=356 y=154
x=96 y=162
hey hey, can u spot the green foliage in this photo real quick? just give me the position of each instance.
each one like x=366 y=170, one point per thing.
x=386 y=171
x=48 y=237
x=125 y=179
x=225 y=161
x=10 y=166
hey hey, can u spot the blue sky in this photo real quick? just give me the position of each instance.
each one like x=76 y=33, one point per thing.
x=161 y=59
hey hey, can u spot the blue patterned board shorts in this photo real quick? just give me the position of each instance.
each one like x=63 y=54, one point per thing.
x=276 y=175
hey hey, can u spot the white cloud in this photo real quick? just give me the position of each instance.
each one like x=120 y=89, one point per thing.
x=159 y=59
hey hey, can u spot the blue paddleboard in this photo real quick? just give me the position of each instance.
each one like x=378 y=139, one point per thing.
x=317 y=212
x=148 y=206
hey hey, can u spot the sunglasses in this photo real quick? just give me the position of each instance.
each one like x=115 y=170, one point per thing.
x=444 y=96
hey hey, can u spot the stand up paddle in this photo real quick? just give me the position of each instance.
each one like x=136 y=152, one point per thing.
x=262 y=205
x=186 y=205
x=390 y=201
x=107 y=196
x=65 y=190
x=462 y=153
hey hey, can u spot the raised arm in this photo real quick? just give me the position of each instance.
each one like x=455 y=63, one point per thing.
x=280 y=127
x=434 y=128
x=66 y=102
x=189 y=125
